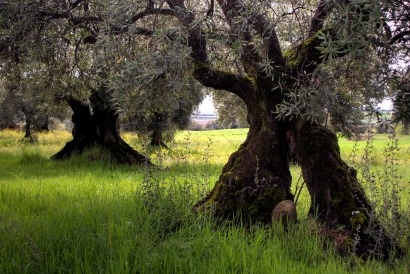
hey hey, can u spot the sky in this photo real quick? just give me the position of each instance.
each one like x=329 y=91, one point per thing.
x=386 y=104
x=207 y=106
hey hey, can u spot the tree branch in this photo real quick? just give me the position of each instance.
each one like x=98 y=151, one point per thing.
x=399 y=36
x=196 y=38
x=151 y=11
x=241 y=34
x=217 y=79
x=305 y=57
x=321 y=12
x=142 y=31
x=75 y=4
x=210 y=11
x=203 y=72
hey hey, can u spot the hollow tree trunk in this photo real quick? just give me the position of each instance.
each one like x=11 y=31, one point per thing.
x=338 y=199
x=83 y=131
x=256 y=177
x=99 y=128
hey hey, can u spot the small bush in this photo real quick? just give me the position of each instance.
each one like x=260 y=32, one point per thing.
x=384 y=188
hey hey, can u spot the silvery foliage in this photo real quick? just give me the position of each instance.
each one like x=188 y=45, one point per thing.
x=401 y=100
x=290 y=20
x=146 y=74
x=51 y=50
x=352 y=28
x=155 y=79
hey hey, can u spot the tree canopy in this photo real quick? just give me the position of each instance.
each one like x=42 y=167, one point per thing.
x=275 y=56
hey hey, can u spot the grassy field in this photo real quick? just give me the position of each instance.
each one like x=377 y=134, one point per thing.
x=83 y=216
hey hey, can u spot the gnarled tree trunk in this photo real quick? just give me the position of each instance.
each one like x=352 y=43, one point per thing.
x=257 y=175
x=99 y=128
x=157 y=139
x=156 y=126
x=337 y=198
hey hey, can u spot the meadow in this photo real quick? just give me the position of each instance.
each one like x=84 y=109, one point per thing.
x=89 y=215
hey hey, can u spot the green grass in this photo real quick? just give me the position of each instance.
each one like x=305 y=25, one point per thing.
x=83 y=216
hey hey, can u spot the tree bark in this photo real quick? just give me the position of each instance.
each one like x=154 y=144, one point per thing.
x=44 y=126
x=83 y=131
x=29 y=123
x=337 y=198
x=99 y=128
x=27 y=128
x=256 y=177
x=157 y=139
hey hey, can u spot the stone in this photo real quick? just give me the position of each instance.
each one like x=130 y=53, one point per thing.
x=285 y=212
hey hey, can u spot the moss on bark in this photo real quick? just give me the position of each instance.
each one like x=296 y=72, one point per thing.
x=98 y=129
x=337 y=197
x=256 y=177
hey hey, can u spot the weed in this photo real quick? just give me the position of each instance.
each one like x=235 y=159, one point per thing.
x=383 y=186
x=80 y=216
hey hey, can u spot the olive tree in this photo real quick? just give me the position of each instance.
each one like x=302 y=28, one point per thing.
x=276 y=80
x=157 y=94
x=269 y=54
x=62 y=35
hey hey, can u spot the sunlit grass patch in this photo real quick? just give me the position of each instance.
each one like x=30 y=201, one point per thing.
x=89 y=215
x=32 y=156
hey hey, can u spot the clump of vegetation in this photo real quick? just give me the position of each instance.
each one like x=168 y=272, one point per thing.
x=87 y=216
x=386 y=185
x=401 y=104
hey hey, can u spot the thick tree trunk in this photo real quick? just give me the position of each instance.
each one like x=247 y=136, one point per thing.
x=98 y=129
x=44 y=126
x=83 y=131
x=157 y=139
x=156 y=126
x=338 y=199
x=27 y=128
x=256 y=177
